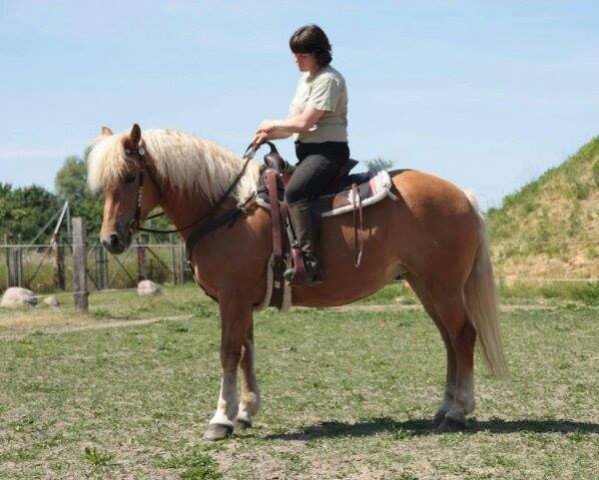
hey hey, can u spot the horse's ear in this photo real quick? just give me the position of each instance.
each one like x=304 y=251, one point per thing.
x=106 y=131
x=135 y=135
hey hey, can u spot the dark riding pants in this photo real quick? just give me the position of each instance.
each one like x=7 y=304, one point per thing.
x=318 y=165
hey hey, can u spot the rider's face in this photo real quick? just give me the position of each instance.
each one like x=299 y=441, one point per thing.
x=306 y=62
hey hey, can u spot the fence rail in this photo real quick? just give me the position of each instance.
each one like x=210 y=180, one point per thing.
x=50 y=267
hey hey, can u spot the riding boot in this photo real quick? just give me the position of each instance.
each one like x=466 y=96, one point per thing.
x=305 y=227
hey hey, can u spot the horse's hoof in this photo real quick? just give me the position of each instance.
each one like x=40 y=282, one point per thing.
x=243 y=423
x=217 y=431
x=439 y=417
x=451 y=425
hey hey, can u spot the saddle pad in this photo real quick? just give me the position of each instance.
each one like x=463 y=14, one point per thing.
x=372 y=191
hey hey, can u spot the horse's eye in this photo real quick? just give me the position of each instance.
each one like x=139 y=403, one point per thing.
x=129 y=178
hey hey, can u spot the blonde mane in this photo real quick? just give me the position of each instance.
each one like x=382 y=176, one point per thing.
x=186 y=162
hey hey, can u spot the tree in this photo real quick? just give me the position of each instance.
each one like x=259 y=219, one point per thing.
x=70 y=181
x=24 y=211
x=71 y=184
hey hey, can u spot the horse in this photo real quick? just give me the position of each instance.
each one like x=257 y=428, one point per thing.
x=432 y=233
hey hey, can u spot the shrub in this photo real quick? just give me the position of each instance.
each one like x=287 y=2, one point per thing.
x=581 y=191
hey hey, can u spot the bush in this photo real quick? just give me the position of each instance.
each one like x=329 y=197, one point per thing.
x=581 y=191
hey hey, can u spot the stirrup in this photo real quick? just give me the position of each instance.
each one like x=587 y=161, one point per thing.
x=311 y=279
x=311 y=270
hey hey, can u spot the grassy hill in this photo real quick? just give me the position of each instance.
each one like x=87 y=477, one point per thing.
x=550 y=228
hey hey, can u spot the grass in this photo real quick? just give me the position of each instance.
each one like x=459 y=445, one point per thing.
x=347 y=394
x=120 y=305
x=543 y=230
x=586 y=293
x=194 y=465
x=94 y=457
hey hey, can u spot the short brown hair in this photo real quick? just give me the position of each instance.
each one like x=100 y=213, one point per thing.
x=312 y=39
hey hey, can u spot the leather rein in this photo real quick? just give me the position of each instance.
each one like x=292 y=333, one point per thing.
x=229 y=216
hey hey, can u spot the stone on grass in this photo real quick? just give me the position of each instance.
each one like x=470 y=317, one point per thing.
x=51 y=301
x=148 y=287
x=15 y=297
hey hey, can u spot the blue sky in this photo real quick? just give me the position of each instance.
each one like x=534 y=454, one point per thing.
x=488 y=94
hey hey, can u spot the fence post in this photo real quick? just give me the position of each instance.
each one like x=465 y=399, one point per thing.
x=173 y=258
x=58 y=254
x=19 y=260
x=185 y=268
x=8 y=253
x=101 y=268
x=14 y=262
x=142 y=268
x=97 y=272
x=80 y=264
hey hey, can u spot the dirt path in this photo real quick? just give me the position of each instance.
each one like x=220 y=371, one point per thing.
x=54 y=323
x=18 y=330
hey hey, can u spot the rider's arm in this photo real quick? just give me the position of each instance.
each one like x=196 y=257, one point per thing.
x=301 y=123
x=278 y=134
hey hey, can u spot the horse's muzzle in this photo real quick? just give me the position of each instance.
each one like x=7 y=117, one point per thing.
x=113 y=243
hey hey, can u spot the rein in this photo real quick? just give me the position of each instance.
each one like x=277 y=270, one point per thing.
x=135 y=224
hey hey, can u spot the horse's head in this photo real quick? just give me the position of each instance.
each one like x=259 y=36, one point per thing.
x=120 y=165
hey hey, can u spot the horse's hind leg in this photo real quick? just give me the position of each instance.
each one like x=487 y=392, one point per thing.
x=462 y=335
x=250 y=395
x=450 y=377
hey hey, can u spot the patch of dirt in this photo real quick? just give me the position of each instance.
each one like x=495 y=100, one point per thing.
x=23 y=323
x=18 y=327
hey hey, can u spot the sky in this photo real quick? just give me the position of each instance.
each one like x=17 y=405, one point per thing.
x=488 y=94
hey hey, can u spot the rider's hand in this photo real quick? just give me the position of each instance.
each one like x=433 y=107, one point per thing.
x=259 y=138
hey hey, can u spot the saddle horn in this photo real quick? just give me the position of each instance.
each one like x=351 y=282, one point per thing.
x=274 y=160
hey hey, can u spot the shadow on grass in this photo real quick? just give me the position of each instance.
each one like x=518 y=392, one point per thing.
x=415 y=428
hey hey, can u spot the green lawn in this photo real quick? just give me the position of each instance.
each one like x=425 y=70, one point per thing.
x=346 y=394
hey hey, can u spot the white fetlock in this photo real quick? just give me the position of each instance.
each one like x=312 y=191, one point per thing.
x=219 y=418
x=244 y=419
x=248 y=409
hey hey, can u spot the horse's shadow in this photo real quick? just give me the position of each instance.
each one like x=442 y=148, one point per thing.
x=421 y=427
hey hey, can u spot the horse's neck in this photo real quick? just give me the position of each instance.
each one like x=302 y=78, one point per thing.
x=183 y=210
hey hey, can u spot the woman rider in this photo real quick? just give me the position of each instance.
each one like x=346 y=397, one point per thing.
x=318 y=121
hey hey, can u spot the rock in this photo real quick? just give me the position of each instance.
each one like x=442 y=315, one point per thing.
x=15 y=297
x=52 y=301
x=148 y=287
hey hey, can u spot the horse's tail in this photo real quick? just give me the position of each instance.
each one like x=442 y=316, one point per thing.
x=480 y=300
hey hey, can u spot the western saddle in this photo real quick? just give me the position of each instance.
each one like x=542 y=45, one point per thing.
x=343 y=190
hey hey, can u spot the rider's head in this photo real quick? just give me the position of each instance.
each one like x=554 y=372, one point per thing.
x=310 y=43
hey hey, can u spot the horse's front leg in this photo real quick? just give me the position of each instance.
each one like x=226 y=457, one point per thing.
x=250 y=395
x=236 y=319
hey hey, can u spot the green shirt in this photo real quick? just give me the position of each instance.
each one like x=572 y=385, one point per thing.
x=324 y=91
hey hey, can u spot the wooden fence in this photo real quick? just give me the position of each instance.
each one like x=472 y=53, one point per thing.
x=78 y=263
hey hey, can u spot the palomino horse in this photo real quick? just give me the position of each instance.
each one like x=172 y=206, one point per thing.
x=432 y=233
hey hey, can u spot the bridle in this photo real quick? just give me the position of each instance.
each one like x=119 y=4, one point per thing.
x=140 y=154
